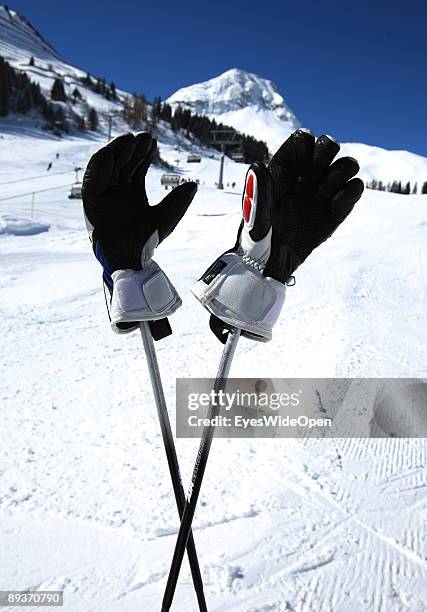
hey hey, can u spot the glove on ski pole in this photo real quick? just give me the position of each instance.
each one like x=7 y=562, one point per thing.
x=288 y=208
x=125 y=230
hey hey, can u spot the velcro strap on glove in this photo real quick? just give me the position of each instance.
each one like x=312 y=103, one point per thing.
x=143 y=295
x=241 y=296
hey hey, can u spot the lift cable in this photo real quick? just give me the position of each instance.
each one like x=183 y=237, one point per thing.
x=31 y=178
x=30 y=193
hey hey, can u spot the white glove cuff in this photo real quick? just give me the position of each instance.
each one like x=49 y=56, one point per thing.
x=143 y=295
x=241 y=296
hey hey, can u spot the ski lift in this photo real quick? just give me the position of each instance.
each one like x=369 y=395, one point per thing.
x=170 y=180
x=76 y=191
x=193 y=159
x=76 y=188
x=237 y=156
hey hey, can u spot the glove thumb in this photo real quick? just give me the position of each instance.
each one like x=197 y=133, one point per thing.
x=172 y=208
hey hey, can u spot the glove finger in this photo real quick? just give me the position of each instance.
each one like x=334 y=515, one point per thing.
x=343 y=202
x=123 y=148
x=172 y=208
x=148 y=149
x=143 y=142
x=341 y=171
x=98 y=173
x=288 y=161
x=257 y=202
x=324 y=151
x=295 y=151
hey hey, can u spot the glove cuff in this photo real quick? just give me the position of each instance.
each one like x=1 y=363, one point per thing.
x=241 y=296
x=143 y=295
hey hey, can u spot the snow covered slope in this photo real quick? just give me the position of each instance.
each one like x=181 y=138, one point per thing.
x=19 y=41
x=242 y=100
x=254 y=106
x=85 y=497
x=387 y=166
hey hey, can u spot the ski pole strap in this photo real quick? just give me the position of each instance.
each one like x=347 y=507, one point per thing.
x=238 y=295
x=159 y=329
x=142 y=295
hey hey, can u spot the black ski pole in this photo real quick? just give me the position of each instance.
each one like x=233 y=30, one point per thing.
x=198 y=472
x=156 y=383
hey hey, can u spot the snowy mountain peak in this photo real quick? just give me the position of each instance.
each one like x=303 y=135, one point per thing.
x=233 y=90
x=19 y=39
x=243 y=100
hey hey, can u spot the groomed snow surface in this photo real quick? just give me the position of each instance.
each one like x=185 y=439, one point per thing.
x=85 y=497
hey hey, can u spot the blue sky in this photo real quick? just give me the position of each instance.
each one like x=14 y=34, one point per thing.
x=353 y=69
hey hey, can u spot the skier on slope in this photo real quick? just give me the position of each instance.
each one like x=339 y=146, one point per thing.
x=289 y=208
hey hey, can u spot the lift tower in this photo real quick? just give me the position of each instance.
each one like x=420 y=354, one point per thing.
x=225 y=139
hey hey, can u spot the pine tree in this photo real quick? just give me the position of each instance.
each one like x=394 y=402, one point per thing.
x=166 y=112
x=113 y=90
x=80 y=123
x=87 y=80
x=76 y=94
x=5 y=87
x=4 y=100
x=424 y=188
x=93 y=120
x=31 y=62
x=415 y=189
x=59 y=119
x=156 y=107
x=48 y=113
x=58 y=92
x=24 y=101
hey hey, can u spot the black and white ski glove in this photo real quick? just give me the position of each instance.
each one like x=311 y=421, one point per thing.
x=125 y=230
x=288 y=208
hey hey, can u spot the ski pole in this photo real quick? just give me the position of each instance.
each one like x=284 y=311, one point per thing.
x=162 y=412
x=198 y=472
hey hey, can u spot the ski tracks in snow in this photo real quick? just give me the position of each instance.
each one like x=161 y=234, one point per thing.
x=282 y=525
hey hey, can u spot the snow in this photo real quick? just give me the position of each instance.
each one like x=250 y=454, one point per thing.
x=85 y=501
x=19 y=41
x=254 y=106
x=20 y=226
x=85 y=497
x=381 y=164
x=242 y=100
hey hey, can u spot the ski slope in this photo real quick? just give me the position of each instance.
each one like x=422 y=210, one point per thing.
x=85 y=496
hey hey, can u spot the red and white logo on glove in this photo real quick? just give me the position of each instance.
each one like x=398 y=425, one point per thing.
x=254 y=252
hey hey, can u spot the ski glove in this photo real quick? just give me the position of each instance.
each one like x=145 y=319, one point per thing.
x=125 y=230
x=288 y=208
